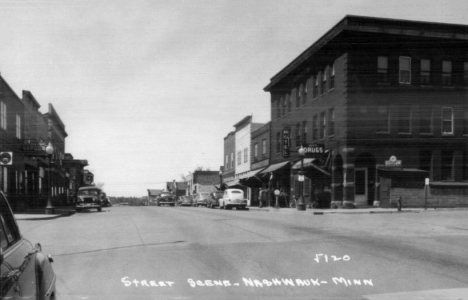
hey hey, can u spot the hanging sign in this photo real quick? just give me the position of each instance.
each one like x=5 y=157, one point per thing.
x=286 y=142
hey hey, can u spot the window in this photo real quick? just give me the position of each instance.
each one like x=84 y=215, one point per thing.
x=239 y=157
x=18 y=126
x=446 y=73
x=298 y=96
x=382 y=69
x=285 y=105
x=304 y=132
x=8 y=230
x=465 y=122
x=465 y=74
x=3 y=115
x=232 y=160
x=298 y=134
x=256 y=151
x=314 y=128
x=246 y=154
x=405 y=70
x=227 y=162
x=425 y=120
x=425 y=72
x=278 y=108
x=264 y=148
x=324 y=82
x=331 y=118
x=323 y=123
x=304 y=94
x=404 y=119
x=332 y=77
x=447 y=120
x=447 y=165
x=278 y=142
x=289 y=103
x=315 y=91
x=383 y=119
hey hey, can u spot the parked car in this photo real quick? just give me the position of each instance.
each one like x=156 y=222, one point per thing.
x=25 y=271
x=165 y=198
x=89 y=197
x=213 y=200
x=185 y=201
x=200 y=199
x=233 y=198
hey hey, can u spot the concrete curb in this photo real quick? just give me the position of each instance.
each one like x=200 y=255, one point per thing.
x=39 y=217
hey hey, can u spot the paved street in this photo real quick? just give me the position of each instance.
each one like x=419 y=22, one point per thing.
x=198 y=253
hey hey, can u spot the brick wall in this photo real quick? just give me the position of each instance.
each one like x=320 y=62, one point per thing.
x=437 y=196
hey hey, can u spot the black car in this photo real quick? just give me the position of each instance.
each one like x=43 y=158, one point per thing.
x=213 y=200
x=165 y=199
x=25 y=272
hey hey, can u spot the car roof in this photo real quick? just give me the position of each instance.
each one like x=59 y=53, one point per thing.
x=89 y=188
x=239 y=190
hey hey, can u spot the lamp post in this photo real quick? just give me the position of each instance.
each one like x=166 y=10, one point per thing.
x=49 y=210
x=301 y=205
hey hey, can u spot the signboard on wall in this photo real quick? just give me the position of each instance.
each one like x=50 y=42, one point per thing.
x=393 y=162
x=286 y=142
x=33 y=147
x=314 y=150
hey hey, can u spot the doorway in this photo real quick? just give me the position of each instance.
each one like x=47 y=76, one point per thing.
x=360 y=186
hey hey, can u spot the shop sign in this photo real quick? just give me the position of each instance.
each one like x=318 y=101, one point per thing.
x=286 y=143
x=314 y=150
x=393 y=162
x=34 y=147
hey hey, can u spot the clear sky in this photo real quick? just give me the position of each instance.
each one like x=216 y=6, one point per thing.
x=149 y=89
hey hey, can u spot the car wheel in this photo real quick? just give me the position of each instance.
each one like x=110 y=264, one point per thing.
x=78 y=210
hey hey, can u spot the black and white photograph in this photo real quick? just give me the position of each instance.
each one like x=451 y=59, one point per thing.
x=221 y=149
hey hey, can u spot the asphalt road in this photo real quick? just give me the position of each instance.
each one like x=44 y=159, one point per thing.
x=198 y=253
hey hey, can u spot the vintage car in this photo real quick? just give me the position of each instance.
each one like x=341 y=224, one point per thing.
x=185 y=201
x=25 y=272
x=200 y=199
x=213 y=200
x=233 y=198
x=165 y=198
x=89 y=197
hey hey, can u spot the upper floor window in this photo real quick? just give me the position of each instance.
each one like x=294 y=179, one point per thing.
x=289 y=103
x=314 y=128
x=425 y=72
x=18 y=126
x=256 y=151
x=446 y=73
x=382 y=69
x=447 y=120
x=298 y=134
x=465 y=74
x=3 y=115
x=331 y=122
x=246 y=155
x=324 y=82
x=264 y=145
x=383 y=119
x=278 y=107
x=232 y=160
x=278 y=142
x=315 y=91
x=239 y=157
x=405 y=70
x=304 y=94
x=304 y=132
x=404 y=119
x=426 y=120
x=298 y=96
x=332 y=77
x=227 y=162
x=323 y=123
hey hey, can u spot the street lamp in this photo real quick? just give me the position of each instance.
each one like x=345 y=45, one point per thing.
x=49 y=210
x=301 y=205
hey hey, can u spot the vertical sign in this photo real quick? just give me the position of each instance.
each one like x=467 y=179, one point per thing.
x=285 y=151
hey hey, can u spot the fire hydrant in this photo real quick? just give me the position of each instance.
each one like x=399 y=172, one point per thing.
x=400 y=203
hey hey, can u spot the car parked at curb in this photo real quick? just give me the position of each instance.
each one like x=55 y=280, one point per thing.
x=200 y=199
x=89 y=197
x=233 y=198
x=185 y=201
x=25 y=271
x=213 y=200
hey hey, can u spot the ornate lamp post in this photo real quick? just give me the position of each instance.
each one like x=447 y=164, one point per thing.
x=49 y=210
x=300 y=204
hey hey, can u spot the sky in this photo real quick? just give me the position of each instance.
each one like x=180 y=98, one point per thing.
x=148 y=90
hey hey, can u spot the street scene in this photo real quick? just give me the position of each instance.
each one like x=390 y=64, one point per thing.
x=128 y=252
x=266 y=149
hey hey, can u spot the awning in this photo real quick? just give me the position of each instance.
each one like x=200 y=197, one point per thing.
x=251 y=174
x=309 y=163
x=274 y=167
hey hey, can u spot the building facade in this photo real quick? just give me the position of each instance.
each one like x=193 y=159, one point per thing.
x=389 y=107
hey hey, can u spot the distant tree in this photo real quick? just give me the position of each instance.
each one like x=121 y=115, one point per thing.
x=99 y=184
x=201 y=168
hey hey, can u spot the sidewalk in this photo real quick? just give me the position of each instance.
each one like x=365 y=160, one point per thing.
x=322 y=211
x=39 y=214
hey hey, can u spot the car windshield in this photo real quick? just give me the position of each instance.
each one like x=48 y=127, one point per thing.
x=165 y=195
x=88 y=192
